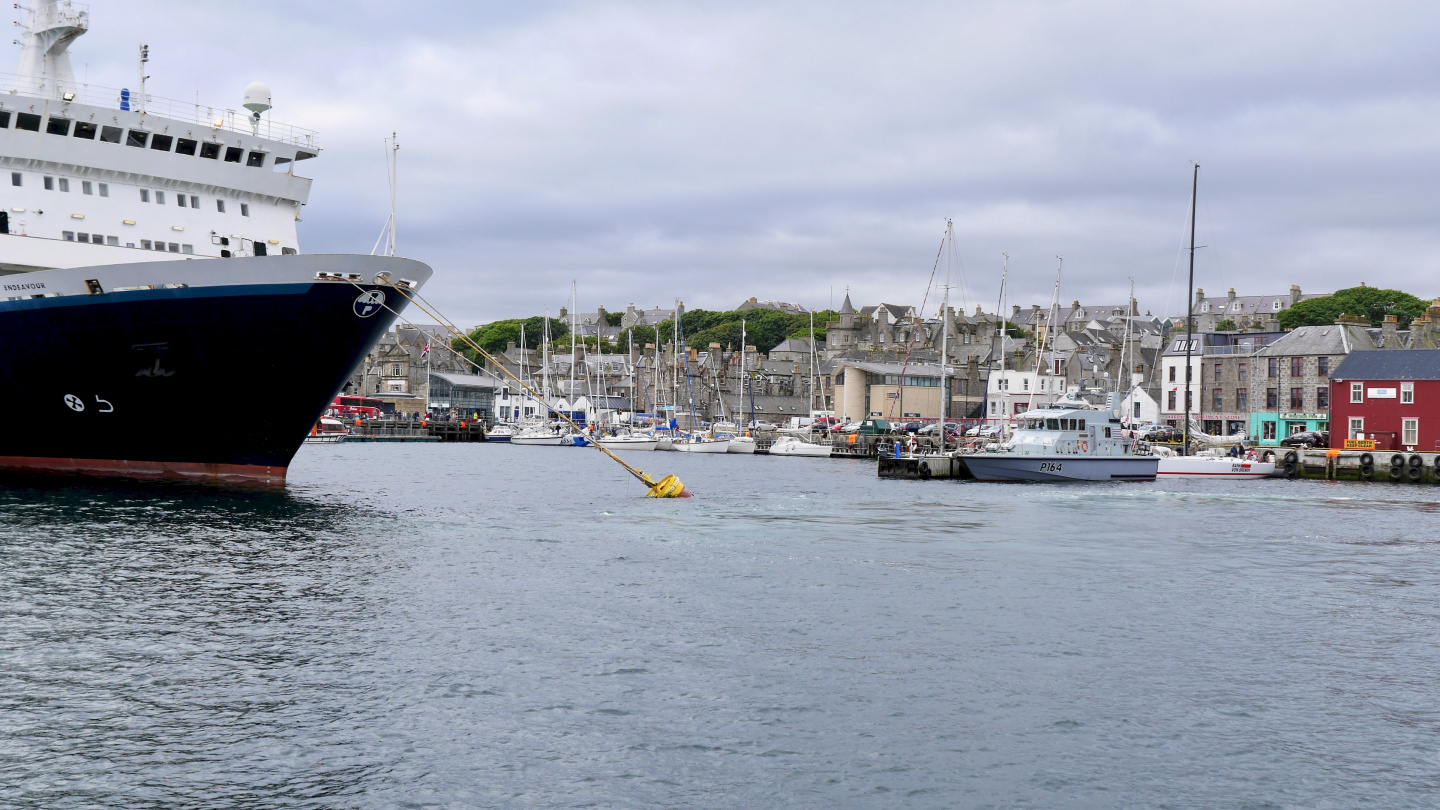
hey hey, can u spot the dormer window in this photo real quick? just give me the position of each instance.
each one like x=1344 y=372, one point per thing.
x=1275 y=306
x=1205 y=307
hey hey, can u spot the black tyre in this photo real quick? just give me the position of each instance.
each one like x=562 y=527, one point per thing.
x=925 y=470
x=1367 y=470
x=1397 y=459
x=1416 y=462
x=1290 y=468
x=1292 y=457
x=1414 y=473
x=1367 y=460
x=1396 y=473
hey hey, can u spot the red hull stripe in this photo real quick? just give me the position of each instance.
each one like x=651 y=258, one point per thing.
x=1224 y=474
x=171 y=470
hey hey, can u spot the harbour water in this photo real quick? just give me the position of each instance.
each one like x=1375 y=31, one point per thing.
x=495 y=626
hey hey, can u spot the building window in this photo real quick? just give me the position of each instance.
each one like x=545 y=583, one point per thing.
x=1357 y=392
x=1407 y=393
x=1272 y=398
x=49 y=184
x=1242 y=371
x=1267 y=430
x=1410 y=430
x=1217 y=399
x=1322 y=396
x=1137 y=409
x=245 y=211
x=1357 y=426
x=220 y=206
x=1322 y=366
x=1242 y=399
x=15 y=178
x=1189 y=399
x=1297 y=399
x=1170 y=400
x=1274 y=367
x=1297 y=367
x=1172 y=374
x=1219 y=369
x=144 y=195
x=104 y=189
x=395 y=370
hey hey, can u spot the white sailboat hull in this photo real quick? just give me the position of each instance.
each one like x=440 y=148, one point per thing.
x=1213 y=467
x=703 y=447
x=741 y=444
x=540 y=441
x=628 y=443
x=789 y=446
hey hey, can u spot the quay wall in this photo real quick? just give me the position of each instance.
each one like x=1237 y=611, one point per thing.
x=1351 y=465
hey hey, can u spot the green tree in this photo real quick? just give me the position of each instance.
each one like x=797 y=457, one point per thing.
x=1370 y=303
x=1226 y=325
x=494 y=337
x=614 y=318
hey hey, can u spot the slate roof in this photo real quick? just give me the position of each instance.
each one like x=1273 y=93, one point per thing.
x=1318 y=340
x=1390 y=364
x=469 y=380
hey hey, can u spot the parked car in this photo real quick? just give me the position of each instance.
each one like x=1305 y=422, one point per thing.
x=839 y=427
x=871 y=427
x=1307 y=439
x=1164 y=433
x=824 y=422
x=984 y=431
x=761 y=424
x=911 y=427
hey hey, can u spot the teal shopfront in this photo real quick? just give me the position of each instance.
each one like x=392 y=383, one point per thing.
x=1270 y=427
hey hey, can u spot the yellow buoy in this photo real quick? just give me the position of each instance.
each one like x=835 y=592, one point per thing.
x=668 y=487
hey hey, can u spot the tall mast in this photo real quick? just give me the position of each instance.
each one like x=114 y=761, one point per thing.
x=999 y=327
x=571 y=393
x=1190 y=311
x=814 y=371
x=1123 y=374
x=1050 y=318
x=545 y=364
x=523 y=367
x=945 y=331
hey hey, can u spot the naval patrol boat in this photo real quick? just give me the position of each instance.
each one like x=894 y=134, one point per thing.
x=1066 y=441
x=150 y=272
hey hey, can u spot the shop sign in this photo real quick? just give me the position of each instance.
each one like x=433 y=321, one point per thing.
x=1380 y=393
x=1359 y=444
x=1295 y=417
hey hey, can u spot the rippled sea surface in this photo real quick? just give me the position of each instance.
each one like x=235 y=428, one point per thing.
x=494 y=626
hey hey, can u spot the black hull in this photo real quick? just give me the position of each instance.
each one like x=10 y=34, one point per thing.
x=220 y=382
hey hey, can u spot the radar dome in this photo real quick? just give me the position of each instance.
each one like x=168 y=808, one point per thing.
x=257 y=97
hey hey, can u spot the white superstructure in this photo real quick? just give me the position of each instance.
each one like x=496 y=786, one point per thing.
x=98 y=176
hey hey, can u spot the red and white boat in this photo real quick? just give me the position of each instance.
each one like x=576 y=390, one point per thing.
x=1213 y=467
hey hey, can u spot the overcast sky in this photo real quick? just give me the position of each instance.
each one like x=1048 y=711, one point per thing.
x=717 y=151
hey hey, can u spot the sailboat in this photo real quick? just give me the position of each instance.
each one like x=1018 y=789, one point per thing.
x=539 y=433
x=744 y=443
x=694 y=440
x=792 y=445
x=1209 y=465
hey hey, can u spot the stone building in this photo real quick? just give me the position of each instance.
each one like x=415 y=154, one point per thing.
x=1221 y=379
x=1251 y=313
x=1289 y=385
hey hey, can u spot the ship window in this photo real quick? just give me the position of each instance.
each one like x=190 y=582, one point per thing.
x=83 y=237
x=112 y=240
x=4 y=119
x=137 y=137
x=15 y=178
x=144 y=195
x=259 y=248
x=160 y=198
x=224 y=254
x=233 y=154
x=144 y=244
x=160 y=246
x=58 y=126
x=104 y=189
x=185 y=146
x=180 y=200
x=244 y=209
x=30 y=122
x=85 y=129
x=209 y=151
x=87 y=187
x=220 y=206
x=187 y=248
x=49 y=184
x=194 y=201
x=1052 y=424
x=110 y=134
x=174 y=247
x=65 y=185
x=69 y=236
x=1082 y=424
x=162 y=142
x=97 y=239
x=255 y=159
x=287 y=251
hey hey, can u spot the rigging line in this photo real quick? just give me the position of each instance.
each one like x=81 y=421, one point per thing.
x=914 y=330
x=440 y=319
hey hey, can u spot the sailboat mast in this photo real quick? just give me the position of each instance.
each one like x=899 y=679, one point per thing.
x=999 y=325
x=945 y=332
x=814 y=371
x=1050 y=318
x=1190 y=311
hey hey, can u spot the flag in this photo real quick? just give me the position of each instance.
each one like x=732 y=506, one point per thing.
x=425 y=351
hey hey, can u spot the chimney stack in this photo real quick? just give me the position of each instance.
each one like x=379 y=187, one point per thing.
x=1295 y=293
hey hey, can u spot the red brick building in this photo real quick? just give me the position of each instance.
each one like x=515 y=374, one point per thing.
x=1390 y=396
